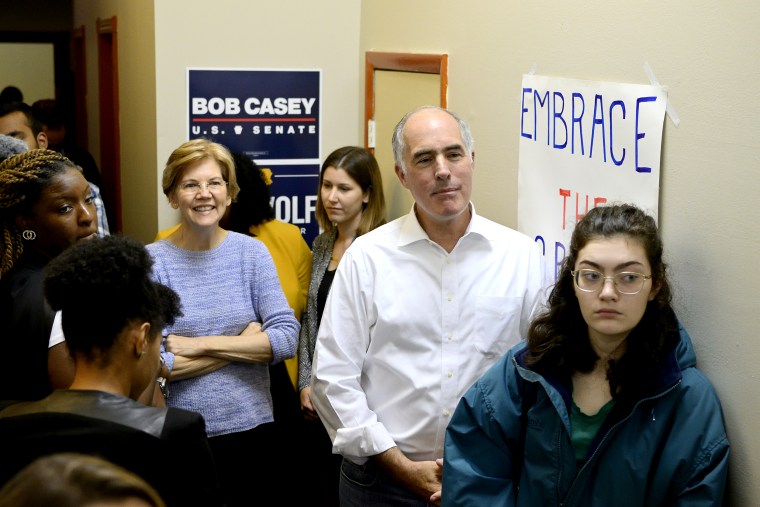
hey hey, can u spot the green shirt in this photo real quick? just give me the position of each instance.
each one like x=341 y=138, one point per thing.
x=585 y=427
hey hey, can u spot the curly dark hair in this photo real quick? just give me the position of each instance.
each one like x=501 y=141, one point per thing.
x=252 y=206
x=101 y=286
x=558 y=339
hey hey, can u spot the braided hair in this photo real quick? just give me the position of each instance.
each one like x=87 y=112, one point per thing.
x=23 y=177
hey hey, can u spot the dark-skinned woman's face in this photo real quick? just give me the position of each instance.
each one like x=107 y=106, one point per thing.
x=63 y=214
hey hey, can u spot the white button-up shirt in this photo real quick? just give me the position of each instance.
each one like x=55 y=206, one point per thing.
x=408 y=327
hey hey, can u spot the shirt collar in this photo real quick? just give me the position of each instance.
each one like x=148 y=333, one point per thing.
x=412 y=231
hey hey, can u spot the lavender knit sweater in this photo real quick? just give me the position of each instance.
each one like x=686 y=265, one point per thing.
x=222 y=290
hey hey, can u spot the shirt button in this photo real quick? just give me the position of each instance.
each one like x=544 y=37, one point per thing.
x=446 y=413
x=450 y=297
x=450 y=374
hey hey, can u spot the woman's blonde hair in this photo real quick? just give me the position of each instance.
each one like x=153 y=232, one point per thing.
x=192 y=152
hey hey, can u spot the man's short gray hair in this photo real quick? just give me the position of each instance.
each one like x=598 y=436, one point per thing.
x=399 y=144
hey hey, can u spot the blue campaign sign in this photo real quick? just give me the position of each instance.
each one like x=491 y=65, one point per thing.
x=294 y=196
x=267 y=114
x=273 y=117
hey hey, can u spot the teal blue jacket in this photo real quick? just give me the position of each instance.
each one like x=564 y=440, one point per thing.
x=668 y=449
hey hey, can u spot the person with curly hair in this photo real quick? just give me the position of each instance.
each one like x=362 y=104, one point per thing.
x=604 y=404
x=113 y=316
x=45 y=207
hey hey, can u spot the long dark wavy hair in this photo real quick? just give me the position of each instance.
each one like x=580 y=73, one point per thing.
x=558 y=339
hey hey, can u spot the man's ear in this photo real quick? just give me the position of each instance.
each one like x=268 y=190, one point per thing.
x=401 y=175
x=42 y=141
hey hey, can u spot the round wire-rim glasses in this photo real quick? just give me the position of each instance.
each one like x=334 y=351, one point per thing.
x=625 y=282
x=193 y=187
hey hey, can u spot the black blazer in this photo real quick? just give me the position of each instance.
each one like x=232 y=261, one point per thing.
x=178 y=463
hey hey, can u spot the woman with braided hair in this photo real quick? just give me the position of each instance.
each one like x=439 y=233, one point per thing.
x=45 y=206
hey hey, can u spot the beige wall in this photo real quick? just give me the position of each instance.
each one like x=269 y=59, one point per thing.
x=283 y=34
x=29 y=67
x=137 y=104
x=706 y=54
x=158 y=41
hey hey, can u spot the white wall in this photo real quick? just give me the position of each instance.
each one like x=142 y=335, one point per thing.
x=705 y=52
x=283 y=34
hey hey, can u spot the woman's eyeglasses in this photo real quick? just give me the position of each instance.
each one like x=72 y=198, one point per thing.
x=626 y=282
x=194 y=187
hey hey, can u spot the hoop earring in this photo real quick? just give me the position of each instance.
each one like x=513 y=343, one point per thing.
x=29 y=235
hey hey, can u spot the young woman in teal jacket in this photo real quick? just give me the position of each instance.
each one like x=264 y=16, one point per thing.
x=603 y=406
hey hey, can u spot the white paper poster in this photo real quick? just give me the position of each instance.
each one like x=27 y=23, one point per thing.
x=582 y=144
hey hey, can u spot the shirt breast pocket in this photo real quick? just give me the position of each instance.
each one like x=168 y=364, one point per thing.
x=497 y=325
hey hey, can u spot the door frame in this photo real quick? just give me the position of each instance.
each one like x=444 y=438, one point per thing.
x=110 y=135
x=404 y=62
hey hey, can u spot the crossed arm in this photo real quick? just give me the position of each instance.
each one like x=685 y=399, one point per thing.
x=203 y=354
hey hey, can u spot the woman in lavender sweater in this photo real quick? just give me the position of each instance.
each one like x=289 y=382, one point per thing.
x=236 y=320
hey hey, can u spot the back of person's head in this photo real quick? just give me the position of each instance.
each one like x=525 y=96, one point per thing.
x=252 y=206
x=32 y=122
x=362 y=167
x=10 y=146
x=398 y=141
x=49 y=113
x=11 y=94
x=23 y=178
x=101 y=286
x=192 y=152
x=52 y=119
x=77 y=480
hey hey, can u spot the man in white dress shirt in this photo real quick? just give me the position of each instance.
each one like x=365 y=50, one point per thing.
x=418 y=310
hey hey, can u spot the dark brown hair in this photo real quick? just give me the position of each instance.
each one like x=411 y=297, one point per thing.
x=362 y=167
x=558 y=338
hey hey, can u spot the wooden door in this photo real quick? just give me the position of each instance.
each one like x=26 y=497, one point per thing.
x=396 y=83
